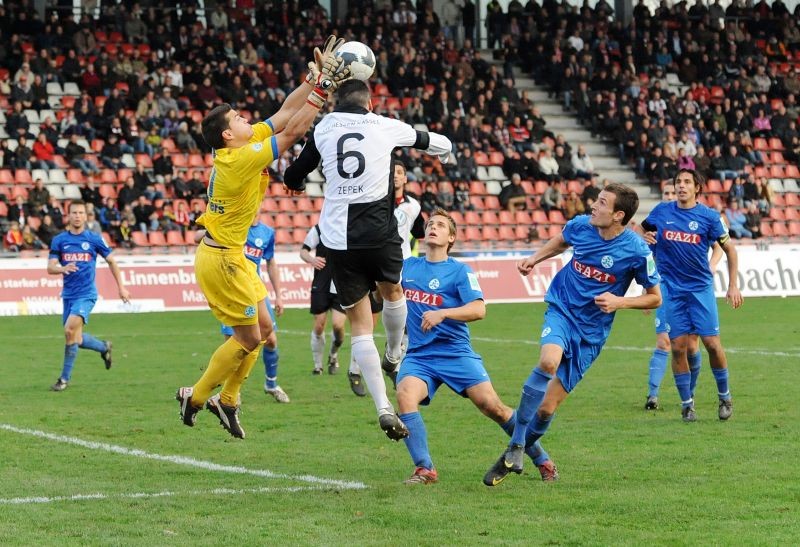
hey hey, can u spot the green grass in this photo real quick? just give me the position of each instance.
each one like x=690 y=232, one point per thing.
x=628 y=476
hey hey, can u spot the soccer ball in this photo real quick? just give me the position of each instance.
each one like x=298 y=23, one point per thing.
x=359 y=57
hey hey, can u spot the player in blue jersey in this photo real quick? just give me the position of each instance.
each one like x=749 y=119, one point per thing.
x=443 y=295
x=582 y=300
x=73 y=254
x=684 y=230
x=658 y=361
x=260 y=245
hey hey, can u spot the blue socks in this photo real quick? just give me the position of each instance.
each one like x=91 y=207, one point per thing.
x=682 y=381
x=70 y=353
x=532 y=394
x=532 y=448
x=270 y=357
x=721 y=376
x=417 y=441
x=92 y=343
x=694 y=369
x=658 y=366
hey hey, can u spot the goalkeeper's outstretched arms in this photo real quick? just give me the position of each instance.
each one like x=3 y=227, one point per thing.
x=295 y=176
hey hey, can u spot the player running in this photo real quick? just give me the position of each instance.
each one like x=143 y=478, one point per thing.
x=582 y=300
x=73 y=254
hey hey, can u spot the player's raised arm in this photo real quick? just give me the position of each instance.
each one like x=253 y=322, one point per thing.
x=307 y=161
x=553 y=247
x=296 y=99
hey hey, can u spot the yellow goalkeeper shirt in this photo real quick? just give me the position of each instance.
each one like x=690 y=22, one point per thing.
x=236 y=187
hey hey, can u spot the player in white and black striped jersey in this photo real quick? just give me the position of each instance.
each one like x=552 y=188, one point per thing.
x=358 y=226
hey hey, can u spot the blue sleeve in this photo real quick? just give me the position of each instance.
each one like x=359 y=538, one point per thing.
x=269 y=246
x=645 y=271
x=467 y=285
x=717 y=227
x=55 y=248
x=100 y=244
x=572 y=228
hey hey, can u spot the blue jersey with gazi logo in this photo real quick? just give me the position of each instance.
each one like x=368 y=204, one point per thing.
x=260 y=244
x=82 y=250
x=433 y=286
x=682 y=242
x=597 y=266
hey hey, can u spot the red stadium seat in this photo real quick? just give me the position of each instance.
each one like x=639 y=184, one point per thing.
x=779 y=229
x=188 y=237
x=543 y=232
x=776 y=214
x=791 y=172
x=107 y=191
x=775 y=144
x=766 y=229
x=760 y=143
x=713 y=186
x=23 y=176
x=489 y=218
x=140 y=239
x=472 y=234
x=6 y=176
x=477 y=202
x=506 y=234
x=283 y=237
x=477 y=187
x=145 y=160
x=791 y=213
x=521 y=233
x=792 y=200
x=491 y=202
x=481 y=158
x=522 y=217
x=556 y=217
x=471 y=218
x=179 y=161
x=794 y=229
x=282 y=220
x=540 y=217
x=298 y=236
x=554 y=230
x=175 y=238
x=506 y=218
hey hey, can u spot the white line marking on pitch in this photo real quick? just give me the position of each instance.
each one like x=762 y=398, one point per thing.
x=165 y=494
x=756 y=351
x=182 y=460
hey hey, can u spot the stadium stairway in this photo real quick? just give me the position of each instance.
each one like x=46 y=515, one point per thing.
x=604 y=154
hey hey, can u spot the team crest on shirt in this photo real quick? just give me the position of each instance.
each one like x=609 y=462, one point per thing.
x=85 y=246
x=257 y=146
x=434 y=284
x=259 y=242
x=693 y=225
x=250 y=311
x=546 y=331
x=607 y=261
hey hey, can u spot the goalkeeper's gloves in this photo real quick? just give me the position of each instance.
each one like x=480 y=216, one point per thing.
x=326 y=80
x=332 y=44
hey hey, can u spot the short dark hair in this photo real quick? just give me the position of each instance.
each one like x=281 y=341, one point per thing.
x=214 y=124
x=399 y=163
x=76 y=202
x=353 y=93
x=699 y=180
x=626 y=200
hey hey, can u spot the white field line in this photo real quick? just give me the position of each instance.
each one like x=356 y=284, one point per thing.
x=164 y=494
x=183 y=460
x=763 y=352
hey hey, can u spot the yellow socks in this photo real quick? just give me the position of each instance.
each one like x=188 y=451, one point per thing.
x=229 y=395
x=228 y=358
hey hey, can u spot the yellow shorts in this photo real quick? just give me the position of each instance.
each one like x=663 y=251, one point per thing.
x=230 y=283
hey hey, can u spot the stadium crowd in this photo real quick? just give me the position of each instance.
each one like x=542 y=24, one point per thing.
x=107 y=108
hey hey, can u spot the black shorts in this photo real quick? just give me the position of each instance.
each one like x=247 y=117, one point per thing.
x=356 y=271
x=322 y=301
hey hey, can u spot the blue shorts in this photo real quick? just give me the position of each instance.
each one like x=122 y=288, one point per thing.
x=81 y=307
x=228 y=331
x=662 y=325
x=693 y=313
x=578 y=354
x=459 y=372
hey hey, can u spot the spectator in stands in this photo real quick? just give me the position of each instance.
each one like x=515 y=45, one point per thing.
x=684 y=161
x=752 y=220
x=23 y=154
x=19 y=211
x=167 y=102
x=446 y=195
x=148 y=111
x=465 y=165
x=7 y=156
x=22 y=93
x=736 y=220
x=38 y=198
x=141 y=179
x=31 y=241
x=167 y=221
x=76 y=156
x=736 y=192
x=111 y=153
x=47 y=230
x=512 y=197
x=129 y=193
x=44 y=151
x=660 y=167
x=582 y=163
x=182 y=218
x=548 y=166
x=734 y=164
x=13 y=238
x=90 y=194
x=552 y=200
x=565 y=170
x=162 y=165
x=109 y=216
x=123 y=235
x=428 y=200
x=702 y=163
x=590 y=193
x=196 y=185
x=573 y=206
x=184 y=140
x=146 y=215
x=17 y=124
x=463 y=202
x=55 y=212
x=92 y=224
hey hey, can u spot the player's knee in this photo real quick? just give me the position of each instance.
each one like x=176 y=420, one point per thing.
x=391 y=292
x=548 y=365
x=546 y=410
x=492 y=408
x=663 y=344
x=406 y=399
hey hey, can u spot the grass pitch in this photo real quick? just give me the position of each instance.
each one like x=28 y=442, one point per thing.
x=108 y=462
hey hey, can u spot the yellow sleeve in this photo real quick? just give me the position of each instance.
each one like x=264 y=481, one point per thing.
x=262 y=130
x=258 y=155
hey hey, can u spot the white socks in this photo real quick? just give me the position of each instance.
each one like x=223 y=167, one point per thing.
x=317 y=348
x=394 y=322
x=368 y=359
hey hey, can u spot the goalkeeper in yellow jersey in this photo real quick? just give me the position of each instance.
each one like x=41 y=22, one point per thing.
x=235 y=294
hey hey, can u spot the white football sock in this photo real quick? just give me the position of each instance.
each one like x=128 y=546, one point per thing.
x=394 y=322
x=317 y=348
x=368 y=359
